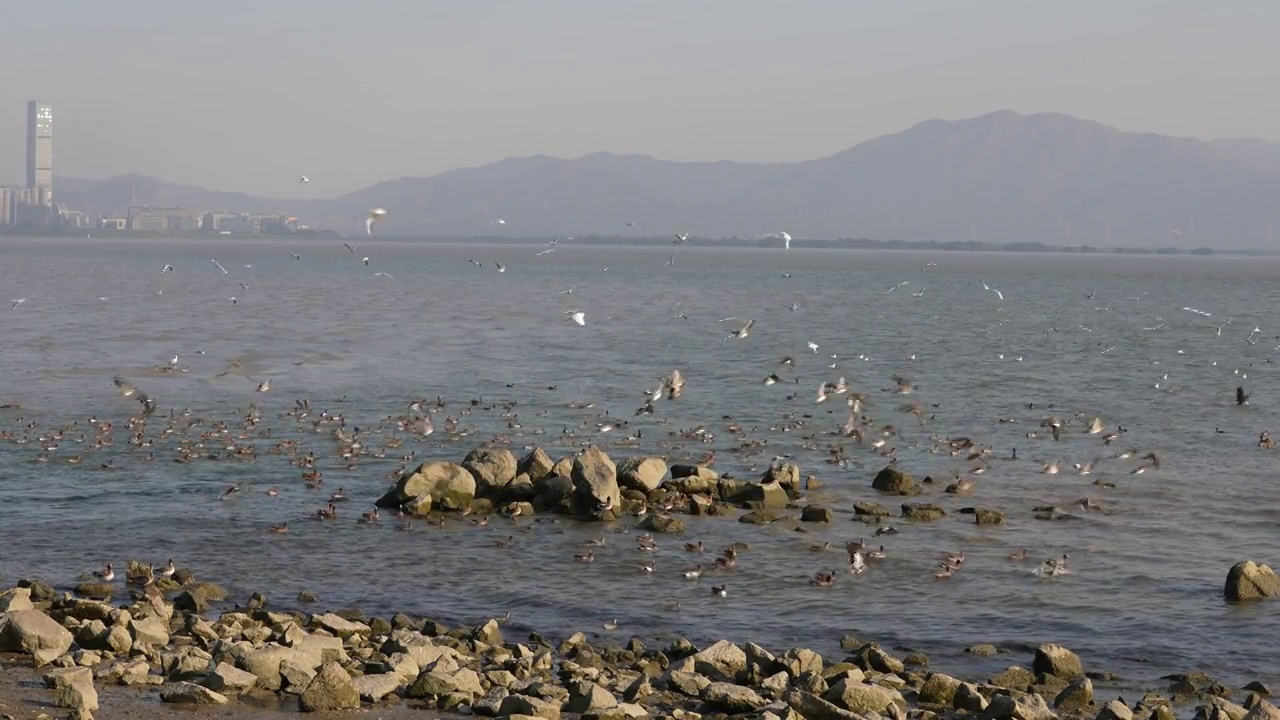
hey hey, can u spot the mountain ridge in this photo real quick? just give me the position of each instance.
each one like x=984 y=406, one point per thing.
x=1000 y=177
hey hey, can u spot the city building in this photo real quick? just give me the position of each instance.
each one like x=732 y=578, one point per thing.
x=6 y=206
x=40 y=150
x=165 y=219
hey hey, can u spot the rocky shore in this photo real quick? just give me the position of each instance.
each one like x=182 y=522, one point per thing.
x=165 y=643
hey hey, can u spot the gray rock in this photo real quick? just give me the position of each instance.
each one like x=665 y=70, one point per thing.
x=662 y=524
x=969 y=698
x=870 y=509
x=330 y=689
x=723 y=658
x=642 y=473
x=493 y=469
x=938 y=689
x=1057 y=661
x=1014 y=678
x=491 y=703
x=150 y=631
x=340 y=626
x=588 y=697
x=185 y=693
x=72 y=688
x=733 y=699
x=537 y=465
x=812 y=707
x=595 y=481
x=1115 y=710
x=1263 y=710
x=373 y=688
x=1249 y=581
x=813 y=513
x=686 y=683
x=1076 y=696
x=862 y=698
x=229 y=680
x=530 y=706
x=449 y=485
x=34 y=633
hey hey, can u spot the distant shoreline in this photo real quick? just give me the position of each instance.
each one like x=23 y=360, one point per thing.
x=725 y=242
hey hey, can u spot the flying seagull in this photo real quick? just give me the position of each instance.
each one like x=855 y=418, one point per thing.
x=577 y=316
x=375 y=215
x=303 y=180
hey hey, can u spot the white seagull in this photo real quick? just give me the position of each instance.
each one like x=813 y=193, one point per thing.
x=375 y=215
x=577 y=316
x=303 y=180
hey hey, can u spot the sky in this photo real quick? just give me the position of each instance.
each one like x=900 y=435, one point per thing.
x=247 y=95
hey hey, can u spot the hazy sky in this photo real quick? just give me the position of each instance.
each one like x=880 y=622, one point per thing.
x=247 y=95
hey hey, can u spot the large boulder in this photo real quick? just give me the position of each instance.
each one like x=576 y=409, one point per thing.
x=893 y=480
x=1057 y=661
x=595 y=482
x=537 y=464
x=1250 y=581
x=330 y=689
x=33 y=632
x=449 y=485
x=72 y=688
x=642 y=473
x=493 y=468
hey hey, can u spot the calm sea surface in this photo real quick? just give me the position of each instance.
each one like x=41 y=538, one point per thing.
x=1144 y=597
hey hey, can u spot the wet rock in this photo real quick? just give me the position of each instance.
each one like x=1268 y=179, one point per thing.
x=72 y=688
x=1057 y=661
x=686 y=683
x=733 y=699
x=986 y=516
x=449 y=485
x=1249 y=581
x=196 y=599
x=870 y=509
x=759 y=517
x=41 y=592
x=642 y=473
x=924 y=512
x=662 y=524
x=185 y=693
x=492 y=468
x=330 y=689
x=983 y=650
x=1014 y=678
x=34 y=633
x=595 y=482
x=893 y=480
x=130 y=672
x=813 y=513
x=96 y=590
x=1076 y=696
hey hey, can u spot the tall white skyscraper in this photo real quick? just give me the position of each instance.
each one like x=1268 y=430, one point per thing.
x=40 y=150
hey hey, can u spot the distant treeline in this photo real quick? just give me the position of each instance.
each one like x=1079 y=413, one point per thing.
x=796 y=243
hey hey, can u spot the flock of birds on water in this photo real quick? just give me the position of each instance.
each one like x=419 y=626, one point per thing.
x=182 y=436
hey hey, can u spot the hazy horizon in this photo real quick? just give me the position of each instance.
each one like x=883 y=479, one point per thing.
x=248 y=97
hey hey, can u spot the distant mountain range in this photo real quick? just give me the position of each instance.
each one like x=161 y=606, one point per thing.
x=1002 y=177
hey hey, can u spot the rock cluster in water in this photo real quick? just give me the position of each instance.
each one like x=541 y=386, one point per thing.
x=341 y=661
